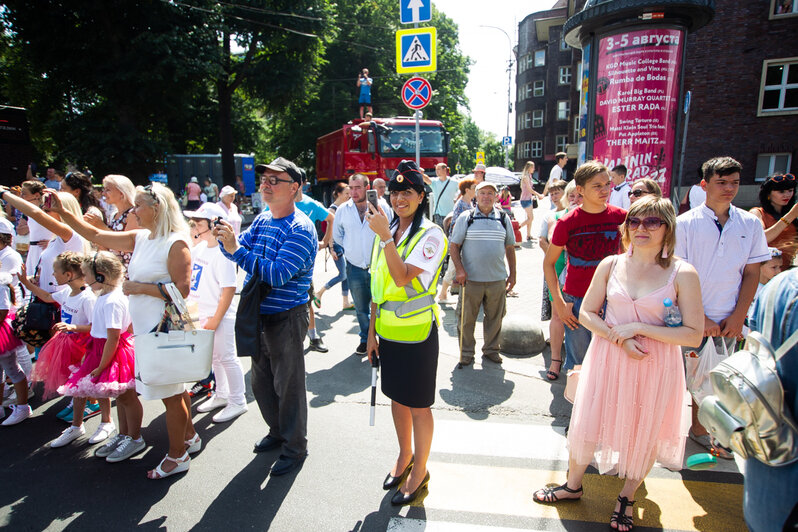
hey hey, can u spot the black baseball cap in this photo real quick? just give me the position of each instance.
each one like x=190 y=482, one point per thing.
x=281 y=164
x=407 y=175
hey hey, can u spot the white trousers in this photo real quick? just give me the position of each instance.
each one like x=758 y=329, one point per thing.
x=227 y=371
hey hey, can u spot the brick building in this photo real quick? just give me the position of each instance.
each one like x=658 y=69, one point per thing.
x=742 y=69
x=547 y=95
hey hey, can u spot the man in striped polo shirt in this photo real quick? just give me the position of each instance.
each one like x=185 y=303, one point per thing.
x=481 y=239
x=282 y=244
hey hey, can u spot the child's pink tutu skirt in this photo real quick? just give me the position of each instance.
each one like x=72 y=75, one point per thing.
x=8 y=342
x=61 y=352
x=115 y=380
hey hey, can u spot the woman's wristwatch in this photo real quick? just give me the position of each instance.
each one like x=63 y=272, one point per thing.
x=384 y=243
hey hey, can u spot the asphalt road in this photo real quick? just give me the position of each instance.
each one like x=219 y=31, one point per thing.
x=499 y=436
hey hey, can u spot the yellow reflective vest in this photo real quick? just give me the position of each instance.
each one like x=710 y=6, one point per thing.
x=404 y=314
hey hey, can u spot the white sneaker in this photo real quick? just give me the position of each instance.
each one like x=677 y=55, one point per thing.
x=108 y=447
x=103 y=431
x=18 y=413
x=127 y=448
x=69 y=435
x=230 y=412
x=212 y=404
x=11 y=400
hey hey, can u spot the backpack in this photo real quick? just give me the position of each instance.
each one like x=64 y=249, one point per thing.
x=747 y=412
x=501 y=219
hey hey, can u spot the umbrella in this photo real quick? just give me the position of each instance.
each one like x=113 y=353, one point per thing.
x=501 y=176
x=375 y=364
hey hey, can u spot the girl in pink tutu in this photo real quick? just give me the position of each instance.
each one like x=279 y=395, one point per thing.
x=68 y=346
x=107 y=370
x=629 y=405
x=9 y=365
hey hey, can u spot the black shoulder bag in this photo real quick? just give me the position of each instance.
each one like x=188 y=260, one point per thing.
x=248 y=315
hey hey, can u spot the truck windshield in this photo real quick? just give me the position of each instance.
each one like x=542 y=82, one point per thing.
x=402 y=141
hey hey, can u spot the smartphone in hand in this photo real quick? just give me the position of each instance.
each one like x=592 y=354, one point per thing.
x=371 y=197
x=48 y=201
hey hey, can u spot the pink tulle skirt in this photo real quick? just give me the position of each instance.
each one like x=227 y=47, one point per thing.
x=8 y=342
x=629 y=413
x=117 y=378
x=61 y=352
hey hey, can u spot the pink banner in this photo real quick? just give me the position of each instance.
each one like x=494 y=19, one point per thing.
x=637 y=101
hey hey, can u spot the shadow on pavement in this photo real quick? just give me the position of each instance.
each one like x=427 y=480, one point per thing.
x=350 y=376
x=475 y=391
x=244 y=503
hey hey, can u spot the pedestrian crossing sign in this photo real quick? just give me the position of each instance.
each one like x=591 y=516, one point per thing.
x=416 y=50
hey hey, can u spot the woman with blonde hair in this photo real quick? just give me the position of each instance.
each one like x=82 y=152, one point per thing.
x=528 y=196
x=119 y=192
x=628 y=410
x=160 y=254
x=644 y=187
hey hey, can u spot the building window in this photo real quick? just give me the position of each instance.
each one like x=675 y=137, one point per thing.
x=563 y=110
x=525 y=150
x=783 y=8
x=529 y=61
x=536 y=150
x=562 y=142
x=564 y=45
x=565 y=75
x=538 y=89
x=537 y=118
x=576 y=129
x=540 y=58
x=772 y=163
x=528 y=90
x=527 y=119
x=779 y=90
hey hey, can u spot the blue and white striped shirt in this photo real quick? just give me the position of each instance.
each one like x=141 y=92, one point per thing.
x=286 y=250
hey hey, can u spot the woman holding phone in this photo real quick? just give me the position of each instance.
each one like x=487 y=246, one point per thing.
x=405 y=264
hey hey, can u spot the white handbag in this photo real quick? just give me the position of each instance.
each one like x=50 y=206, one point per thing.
x=175 y=356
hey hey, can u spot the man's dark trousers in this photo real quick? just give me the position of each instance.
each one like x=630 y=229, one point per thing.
x=278 y=378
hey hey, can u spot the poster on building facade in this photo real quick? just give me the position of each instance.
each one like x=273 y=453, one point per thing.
x=583 y=99
x=637 y=101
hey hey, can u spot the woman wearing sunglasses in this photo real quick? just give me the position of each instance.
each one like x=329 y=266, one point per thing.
x=642 y=188
x=628 y=410
x=778 y=212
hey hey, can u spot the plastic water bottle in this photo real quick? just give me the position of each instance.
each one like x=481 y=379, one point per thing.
x=673 y=318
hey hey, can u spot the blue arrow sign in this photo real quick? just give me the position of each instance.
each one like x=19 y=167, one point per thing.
x=414 y=11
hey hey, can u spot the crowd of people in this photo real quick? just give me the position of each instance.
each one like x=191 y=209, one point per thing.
x=615 y=252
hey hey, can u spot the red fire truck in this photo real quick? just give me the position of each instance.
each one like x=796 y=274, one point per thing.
x=375 y=149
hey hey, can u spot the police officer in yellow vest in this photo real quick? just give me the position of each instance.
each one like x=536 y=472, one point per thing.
x=405 y=266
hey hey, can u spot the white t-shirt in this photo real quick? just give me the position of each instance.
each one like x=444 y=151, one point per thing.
x=720 y=256
x=57 y=246
x=37 y=231
x=619 y=196
x=428 y=253
x=5 y=299
x=210 y=272
x=11 y=263
x=75 y=310
x=697 y=196
x=110 y=312
x=556 y=174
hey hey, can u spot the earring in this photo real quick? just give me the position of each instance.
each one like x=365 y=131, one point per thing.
x=664 y=252
x=631 y=248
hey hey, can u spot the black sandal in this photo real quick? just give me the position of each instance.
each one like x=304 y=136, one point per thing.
x=554 y=375
x=551 y=494
x=620 y=518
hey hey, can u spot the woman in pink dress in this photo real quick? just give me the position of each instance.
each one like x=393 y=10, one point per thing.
x=629 y=405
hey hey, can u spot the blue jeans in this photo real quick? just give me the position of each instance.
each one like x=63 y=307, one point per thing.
x=360 y=285
x=577 y=340
x=340 y=264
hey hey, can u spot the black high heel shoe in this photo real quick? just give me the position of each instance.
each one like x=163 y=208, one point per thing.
x=391 y=481
x=401 y=499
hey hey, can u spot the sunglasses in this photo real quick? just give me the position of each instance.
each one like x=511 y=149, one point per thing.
x=651 y=223
x=639 y=192
x=782 y=177
x=273 y=179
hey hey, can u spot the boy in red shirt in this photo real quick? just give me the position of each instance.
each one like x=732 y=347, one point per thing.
x=588 y=234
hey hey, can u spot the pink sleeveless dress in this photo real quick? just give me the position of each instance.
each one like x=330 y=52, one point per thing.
x=629 y=413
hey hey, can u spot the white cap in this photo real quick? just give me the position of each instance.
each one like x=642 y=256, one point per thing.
x=207 y=211
x=6 y=227
x=226 y=191
x=193 y=179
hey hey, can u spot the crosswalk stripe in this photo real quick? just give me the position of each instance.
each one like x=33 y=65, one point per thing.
x=540 y=442
x=668 y=503
x=406 y=524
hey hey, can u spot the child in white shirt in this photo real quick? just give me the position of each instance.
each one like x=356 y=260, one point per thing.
x=9 y=367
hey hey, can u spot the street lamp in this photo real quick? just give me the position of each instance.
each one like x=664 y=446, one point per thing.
x=510 y=63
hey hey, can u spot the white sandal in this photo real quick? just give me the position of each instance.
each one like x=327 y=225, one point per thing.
x=194 y=444
x=182 y=466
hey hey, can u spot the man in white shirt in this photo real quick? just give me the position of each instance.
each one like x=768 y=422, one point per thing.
x=557 y=173
x=727 y=246
x=445 y=190
x=619 y=195
x=351 y=231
